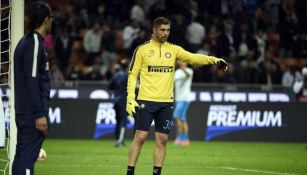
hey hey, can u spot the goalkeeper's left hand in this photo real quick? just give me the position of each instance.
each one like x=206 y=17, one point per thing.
x=130 y=107
x=221 y=63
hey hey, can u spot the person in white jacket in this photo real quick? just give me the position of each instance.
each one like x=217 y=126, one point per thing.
x=183 y=82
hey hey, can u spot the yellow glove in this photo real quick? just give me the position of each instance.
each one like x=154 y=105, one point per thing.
x=130 y=107
x=221 y=63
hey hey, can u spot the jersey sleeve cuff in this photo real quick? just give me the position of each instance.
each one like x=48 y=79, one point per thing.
x=39 y=114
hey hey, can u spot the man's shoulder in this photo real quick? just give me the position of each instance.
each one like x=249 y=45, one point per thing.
x=25 y=42
x=173 y=45
x=146 y=43
x=143 y=46
x=27 y=38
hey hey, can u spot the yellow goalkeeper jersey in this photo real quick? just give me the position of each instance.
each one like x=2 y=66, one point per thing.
x=155 y=62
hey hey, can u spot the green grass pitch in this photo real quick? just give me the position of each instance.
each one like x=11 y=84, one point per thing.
x=100 y=157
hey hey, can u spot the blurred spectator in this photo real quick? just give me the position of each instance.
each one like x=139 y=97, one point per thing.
x=101 y=16
x=300 y=86
x=118 y=40
x=269 y=74
x=225 y=41
x=113 y=67
x=300 y=46
x=130 y=33
x=94 y=71
x=107 y=58
x=193 y=9
x=48 y=42
x=137 y=12
x=56 y=74
x=195 y=35
x=141 y=38
x=62 y=48
x=290 y=76
x=108 y=38
x=243 y=47
x=212 y=38
x=158 y=9
x=77 y=68
x=249 y=72
x=260 y=39
x=92 y=42
x=288 y=27
x=178 y=30
x=230 y=76
x=205 y=49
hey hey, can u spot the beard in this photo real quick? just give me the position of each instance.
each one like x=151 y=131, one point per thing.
x=163 y=39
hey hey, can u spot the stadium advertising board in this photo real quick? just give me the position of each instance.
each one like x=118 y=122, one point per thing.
x=83 y=119
x=223 y=119
x=105 y=120
x=208 y=121
x=196 y=95
x=255 y=122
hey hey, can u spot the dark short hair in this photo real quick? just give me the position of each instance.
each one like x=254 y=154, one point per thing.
x=38 y=11
x=161 y=20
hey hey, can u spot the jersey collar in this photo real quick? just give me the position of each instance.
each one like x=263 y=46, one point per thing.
x=157 y=43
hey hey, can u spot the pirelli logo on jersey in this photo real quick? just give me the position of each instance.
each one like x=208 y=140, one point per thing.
x=160 y=68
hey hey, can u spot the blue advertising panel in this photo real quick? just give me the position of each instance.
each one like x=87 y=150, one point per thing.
x=286 y=122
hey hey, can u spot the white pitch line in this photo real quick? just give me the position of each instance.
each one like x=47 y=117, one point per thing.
x=255 y=171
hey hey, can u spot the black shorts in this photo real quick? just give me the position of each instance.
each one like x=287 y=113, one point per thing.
x=160 y=112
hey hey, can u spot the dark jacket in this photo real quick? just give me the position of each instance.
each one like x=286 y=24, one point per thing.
x=31 y=76
x=118 y=83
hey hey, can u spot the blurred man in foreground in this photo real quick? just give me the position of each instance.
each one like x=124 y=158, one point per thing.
x=32 y=90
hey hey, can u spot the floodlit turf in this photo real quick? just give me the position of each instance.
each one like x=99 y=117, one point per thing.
x=89 y=157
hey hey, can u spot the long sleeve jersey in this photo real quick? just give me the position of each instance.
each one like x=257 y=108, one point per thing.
x=31 y=76
x=154 y=62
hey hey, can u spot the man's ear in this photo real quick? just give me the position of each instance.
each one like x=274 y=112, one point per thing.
x=46 y=20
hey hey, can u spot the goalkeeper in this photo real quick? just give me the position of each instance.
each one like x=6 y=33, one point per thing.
x=154 y=61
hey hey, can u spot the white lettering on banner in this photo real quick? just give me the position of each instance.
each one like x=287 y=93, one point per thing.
x=68 y=93
x=105 y=114
x=99 y=94
x=254 y=97
x=192 y=96
x=217 y=96
x=278 y=97
x=55 y=115
x=205 y=96
x=222 y=107
x=52 y=93
x=227 y=115
x=243 y=97
x=234 y=97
